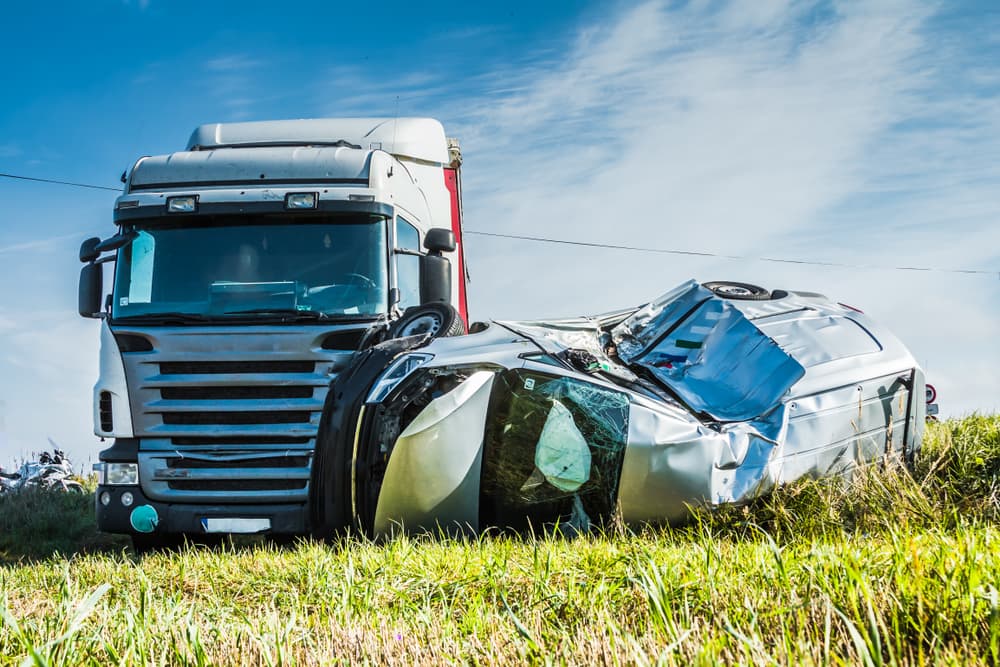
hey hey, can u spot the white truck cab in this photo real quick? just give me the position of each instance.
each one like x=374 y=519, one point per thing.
x=248 y=269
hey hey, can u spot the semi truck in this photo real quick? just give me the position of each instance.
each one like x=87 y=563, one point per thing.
x=247 y=270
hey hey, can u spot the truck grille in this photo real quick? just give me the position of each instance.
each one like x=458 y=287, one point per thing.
x=230 y=415
x=226 y=418
x=203 y=367
x=265 y=462
x=238 y=485
x=228 y=393
x=243 y=440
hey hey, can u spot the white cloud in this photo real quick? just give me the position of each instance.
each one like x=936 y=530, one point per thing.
x=237 y=62
x=854 y=134
x=46 y=244
x=233 y=82
x=54 y=358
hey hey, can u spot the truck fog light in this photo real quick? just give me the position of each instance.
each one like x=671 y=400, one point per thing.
x=105 y=498
x=121 y=474
x=300 y=200
x=127 y=499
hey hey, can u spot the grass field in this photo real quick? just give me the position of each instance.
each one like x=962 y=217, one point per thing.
x=892 y=569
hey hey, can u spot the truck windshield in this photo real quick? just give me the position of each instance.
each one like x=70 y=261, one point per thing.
x=240 y=267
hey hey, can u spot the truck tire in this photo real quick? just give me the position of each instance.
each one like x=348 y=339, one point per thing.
x=740 y=291
x=437 y=319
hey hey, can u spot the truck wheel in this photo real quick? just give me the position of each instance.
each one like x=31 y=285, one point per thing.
x=740 y=291
x=437 y=319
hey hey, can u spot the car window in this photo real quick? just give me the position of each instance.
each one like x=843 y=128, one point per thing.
x=553 y=451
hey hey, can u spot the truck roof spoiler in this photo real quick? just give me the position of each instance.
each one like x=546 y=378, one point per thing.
x=406 y=138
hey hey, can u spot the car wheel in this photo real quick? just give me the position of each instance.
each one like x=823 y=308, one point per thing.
x=331 y=487
x=740 y=291
x=436 y=319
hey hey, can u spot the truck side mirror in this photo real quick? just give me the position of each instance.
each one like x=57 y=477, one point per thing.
x=91 y=288
x=439 y=240
x=435 y=278
x=88 y=249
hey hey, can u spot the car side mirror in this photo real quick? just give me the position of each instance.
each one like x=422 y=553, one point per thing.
x=91 y=289
x=88 y=249
x=439 y=240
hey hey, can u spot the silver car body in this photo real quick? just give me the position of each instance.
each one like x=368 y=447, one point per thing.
x=690 y=400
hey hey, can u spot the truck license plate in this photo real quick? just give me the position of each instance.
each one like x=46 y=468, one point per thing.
x=235 y=525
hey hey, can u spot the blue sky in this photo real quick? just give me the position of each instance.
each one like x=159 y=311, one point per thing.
x=866 y=133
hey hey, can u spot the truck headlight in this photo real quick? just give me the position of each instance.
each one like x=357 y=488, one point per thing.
x=120 y=474
x=396 y=373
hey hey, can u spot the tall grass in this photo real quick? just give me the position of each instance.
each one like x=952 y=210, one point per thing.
x=891 y=568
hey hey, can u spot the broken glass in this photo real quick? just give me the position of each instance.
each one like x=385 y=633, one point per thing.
x=553 y=451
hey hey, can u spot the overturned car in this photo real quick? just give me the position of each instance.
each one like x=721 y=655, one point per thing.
x=710 y=394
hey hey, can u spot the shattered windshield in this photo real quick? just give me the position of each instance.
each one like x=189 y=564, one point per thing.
x=240 y=266
x=553 y=451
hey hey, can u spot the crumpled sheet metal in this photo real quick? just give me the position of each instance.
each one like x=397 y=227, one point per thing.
x=752 y=417
x=637 y=333
x=561 y=335
x=708 y=352
x=673 y=463
x=432 y=479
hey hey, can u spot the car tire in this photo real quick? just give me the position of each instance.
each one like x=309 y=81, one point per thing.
x=739 y=291
x=437 y=319
x=330 y=488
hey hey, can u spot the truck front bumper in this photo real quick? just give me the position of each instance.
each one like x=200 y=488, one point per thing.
x=115 y=517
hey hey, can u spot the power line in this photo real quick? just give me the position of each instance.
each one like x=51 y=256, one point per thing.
x=48 y=180
x=612 y=246
x=695 y=253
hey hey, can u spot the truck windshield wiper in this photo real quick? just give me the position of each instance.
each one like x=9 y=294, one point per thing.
x=289 y=313
x=165 y=318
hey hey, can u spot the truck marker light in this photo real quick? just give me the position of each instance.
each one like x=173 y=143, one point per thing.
x=300 y=200
x=187 y=204
x=105 y=498
x=127 y=499
x=360 y=197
